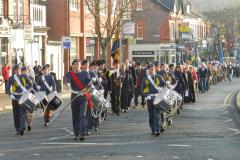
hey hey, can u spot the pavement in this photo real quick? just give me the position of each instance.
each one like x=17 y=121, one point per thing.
x=6 y=103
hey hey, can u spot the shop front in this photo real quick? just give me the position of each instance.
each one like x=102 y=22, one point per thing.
x=163 y=53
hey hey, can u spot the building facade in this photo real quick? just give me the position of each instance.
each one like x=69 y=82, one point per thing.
x=156 y=28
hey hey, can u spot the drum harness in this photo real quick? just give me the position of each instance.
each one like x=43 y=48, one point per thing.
x=24 y=90
x=80 y=93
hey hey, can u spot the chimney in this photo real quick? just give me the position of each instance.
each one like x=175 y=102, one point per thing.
x=189 y=6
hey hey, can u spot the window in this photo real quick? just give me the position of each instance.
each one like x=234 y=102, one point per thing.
x=139 y=5
x=172 y=31
x=20 y=10
x=17 y=10
x=73 y=5
x=140 y=30
x=1 y=7
x=73 y=50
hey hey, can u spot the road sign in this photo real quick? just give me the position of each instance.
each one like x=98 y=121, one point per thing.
x=66 y=42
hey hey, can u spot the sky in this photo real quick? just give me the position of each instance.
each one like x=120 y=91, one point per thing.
x=211 y=5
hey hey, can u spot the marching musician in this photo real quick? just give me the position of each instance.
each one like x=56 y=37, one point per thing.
x=140 y=73
x=150 y=86
x=93 y=72
x=116 y=85
x=85 y=67
x=80 y=100
x=16 y=87
x=104 y=76
x=25 y=75
x=47 y=84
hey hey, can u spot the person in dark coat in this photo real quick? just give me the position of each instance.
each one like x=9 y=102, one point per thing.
x=81 y=102
x=140 y=74
x=127 y=87
x=180 y=88
x=189 y=95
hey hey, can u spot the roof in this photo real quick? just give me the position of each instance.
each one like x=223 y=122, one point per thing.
x=169 y=4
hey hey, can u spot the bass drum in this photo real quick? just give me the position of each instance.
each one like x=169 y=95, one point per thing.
x=54 y=101
x=29 y=102
x=164 y=100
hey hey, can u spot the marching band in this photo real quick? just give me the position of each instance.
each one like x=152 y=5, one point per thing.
x=162 y=88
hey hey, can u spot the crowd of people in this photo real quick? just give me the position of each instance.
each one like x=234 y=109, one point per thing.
x=128 y=84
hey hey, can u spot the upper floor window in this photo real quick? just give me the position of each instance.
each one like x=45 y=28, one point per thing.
x=40 y=2
x=172 y=30
x=1 y=7
x=17 y=10
x=140 y=30
x=139 y=5
x=73 y=5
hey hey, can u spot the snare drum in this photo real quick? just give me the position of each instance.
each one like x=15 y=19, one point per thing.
x=99 y=102
x=164 y=100
x=41 y=97
x=54 y=101
x=29 y=102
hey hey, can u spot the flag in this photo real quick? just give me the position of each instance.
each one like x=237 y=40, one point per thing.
x=115 y=53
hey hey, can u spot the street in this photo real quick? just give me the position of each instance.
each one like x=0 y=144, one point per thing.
x=206 y=130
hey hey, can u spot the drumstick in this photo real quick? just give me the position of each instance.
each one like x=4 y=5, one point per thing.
x=68 y=104
x=2 y=83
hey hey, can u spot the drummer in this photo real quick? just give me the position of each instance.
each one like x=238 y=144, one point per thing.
x=16 y=87
x=47 y=84
x=78 y=81
x=25 y=77
x=93 y=71
x=151 y=85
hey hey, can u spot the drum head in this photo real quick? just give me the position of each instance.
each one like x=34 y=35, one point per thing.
x=40 y=95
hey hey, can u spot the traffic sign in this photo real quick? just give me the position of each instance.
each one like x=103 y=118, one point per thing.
x=66 y=42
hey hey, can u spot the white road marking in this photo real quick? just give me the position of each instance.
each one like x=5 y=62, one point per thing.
x=139 y=156
x=69 y=154
x=223 y=112
x=2 y=154
x=210 y=159
x=83 y=143
x=227 y=120
x=227 y=98
x=192 y=108
x=178 y=145
x=66 y=130
x=36 y=154
x=236 y=131
x=174 y=157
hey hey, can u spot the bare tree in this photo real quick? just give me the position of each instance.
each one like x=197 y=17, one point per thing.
x=108 y=17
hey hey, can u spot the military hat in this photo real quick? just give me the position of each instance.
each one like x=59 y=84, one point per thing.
x=137 y=63
x=100 y=62
x=150 y=65
x=94 y=63
x=84 y=62
x=24 y=68
x=171 y=65
x=75 y=61
x=16 y=66
x=156 y=63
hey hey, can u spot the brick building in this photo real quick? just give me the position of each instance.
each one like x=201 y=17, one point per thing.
x=65 y=18
x=156 y=25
